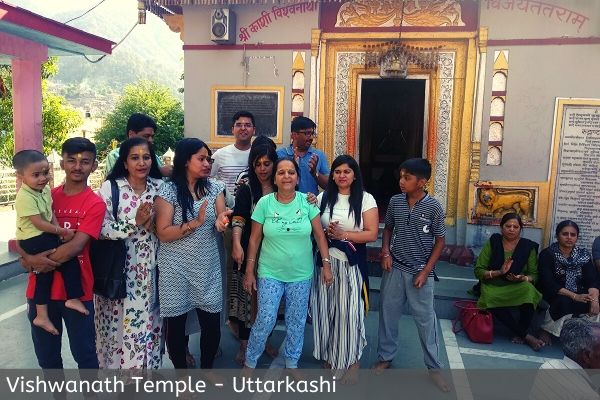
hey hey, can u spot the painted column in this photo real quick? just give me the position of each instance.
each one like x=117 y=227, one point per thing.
x=27 y=104
x=314 y=74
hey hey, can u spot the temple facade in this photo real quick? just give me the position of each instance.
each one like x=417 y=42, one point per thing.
x=502 y=96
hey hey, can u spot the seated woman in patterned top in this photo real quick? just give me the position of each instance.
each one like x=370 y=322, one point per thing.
x=568 y=280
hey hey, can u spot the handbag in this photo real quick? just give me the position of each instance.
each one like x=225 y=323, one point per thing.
x=108 y=260
x=477 y=324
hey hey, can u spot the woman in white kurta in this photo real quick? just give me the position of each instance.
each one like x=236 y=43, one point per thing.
x=350 y=217
x=128 y=330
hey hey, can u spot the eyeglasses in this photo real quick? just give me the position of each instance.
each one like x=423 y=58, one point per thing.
x=242 y=125
x=207 y=159
x=308 y=132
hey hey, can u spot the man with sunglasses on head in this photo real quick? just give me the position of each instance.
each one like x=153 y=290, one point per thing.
x=232 y=159
x=314 y=167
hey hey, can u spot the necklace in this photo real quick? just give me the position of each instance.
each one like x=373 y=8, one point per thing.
x=138 y=189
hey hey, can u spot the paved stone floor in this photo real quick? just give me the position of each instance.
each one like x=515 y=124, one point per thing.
x=456 y=350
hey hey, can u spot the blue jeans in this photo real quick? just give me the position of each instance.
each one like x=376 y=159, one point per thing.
x=397 y=291
x=81 y=331
x=270 y=292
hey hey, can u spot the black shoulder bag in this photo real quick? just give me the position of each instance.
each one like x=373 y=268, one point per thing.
x=108 y=259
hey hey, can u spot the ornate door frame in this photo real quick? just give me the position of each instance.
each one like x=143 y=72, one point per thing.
x=451 y=104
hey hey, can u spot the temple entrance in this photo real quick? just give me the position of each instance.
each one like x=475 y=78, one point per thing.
x=391 y=131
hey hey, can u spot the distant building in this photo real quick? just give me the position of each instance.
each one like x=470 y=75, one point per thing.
x=91 y=125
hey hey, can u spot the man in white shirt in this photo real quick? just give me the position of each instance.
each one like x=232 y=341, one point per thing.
x=230 y=160
x=568 y=378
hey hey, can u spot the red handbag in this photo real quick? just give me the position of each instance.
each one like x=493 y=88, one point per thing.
x=477 y=324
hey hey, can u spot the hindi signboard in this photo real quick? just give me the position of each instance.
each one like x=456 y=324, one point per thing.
x=265 y=103
x=576 y=168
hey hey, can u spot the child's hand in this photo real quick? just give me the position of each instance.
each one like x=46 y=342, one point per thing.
x=386 y=262
x=67 y=234
x=420 y=280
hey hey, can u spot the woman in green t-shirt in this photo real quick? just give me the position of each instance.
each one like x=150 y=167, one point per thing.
x=283 y=221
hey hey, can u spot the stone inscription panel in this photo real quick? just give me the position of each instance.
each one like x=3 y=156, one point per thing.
x=577 y=193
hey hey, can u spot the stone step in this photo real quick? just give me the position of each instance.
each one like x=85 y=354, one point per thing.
x=9 y=265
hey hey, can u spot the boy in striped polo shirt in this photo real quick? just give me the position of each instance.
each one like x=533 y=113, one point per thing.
x=413 y=239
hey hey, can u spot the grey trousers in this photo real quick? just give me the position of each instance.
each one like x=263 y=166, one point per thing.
x=397 y=291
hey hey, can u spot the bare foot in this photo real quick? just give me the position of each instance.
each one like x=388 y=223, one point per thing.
x=190 y=361
x=351 y=375
x=533 y=342
x=77 y=305
x=545 y=337
x=517 y=340
x=271 y=350
x=214 y=378
x=381 y=366
x=45 y=324
x=295 y=374
x=440 y=382
x=247 y=372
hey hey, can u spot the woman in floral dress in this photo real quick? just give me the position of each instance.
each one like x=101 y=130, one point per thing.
x=128 y=330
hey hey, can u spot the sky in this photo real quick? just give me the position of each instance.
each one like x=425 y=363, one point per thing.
x=73 y=8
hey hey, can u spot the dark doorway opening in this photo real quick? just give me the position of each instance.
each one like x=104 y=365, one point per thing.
x=391 y=131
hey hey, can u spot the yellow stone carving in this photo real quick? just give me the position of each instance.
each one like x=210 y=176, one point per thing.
x=387 y=13
x=494 y=202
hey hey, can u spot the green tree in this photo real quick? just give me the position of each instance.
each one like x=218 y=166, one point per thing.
x=58 y=117
x=149 y=98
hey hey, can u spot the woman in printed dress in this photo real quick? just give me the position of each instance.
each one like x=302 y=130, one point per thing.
x=128 y=330
x=190 y=216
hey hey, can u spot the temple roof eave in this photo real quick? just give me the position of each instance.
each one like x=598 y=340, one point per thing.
x=162 y=7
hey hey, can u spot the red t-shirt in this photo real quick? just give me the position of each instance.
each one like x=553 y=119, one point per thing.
x=83 y=212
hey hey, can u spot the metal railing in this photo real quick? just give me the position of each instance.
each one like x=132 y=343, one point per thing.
x=8 y=182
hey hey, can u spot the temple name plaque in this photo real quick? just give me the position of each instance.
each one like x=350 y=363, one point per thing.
x=265 y=103
x=577 y=186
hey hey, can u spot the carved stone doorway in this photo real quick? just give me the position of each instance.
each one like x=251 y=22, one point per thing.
x=391 y=131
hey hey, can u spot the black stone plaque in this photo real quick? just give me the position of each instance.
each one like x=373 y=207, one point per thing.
x=264 y=105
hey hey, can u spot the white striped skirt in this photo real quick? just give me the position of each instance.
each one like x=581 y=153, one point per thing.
x=338 y=316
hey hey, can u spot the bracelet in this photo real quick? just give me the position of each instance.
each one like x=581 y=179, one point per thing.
x=385 y=255
x=250 y=259
x=326 y=260
x=594 y=300
x=188 y=227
